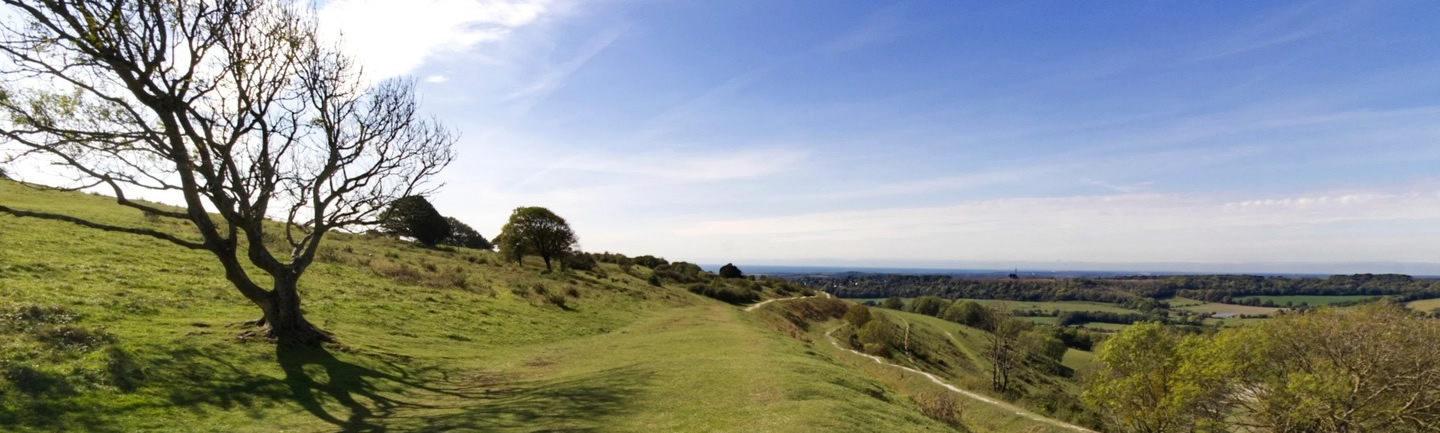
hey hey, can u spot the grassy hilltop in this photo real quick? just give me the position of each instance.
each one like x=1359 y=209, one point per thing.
x=112 y=332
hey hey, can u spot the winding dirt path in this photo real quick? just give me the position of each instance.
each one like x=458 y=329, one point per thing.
x=973 y=395
x=752 y=307
x=985 y=399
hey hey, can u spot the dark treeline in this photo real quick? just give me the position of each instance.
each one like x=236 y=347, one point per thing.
x=1122 y=290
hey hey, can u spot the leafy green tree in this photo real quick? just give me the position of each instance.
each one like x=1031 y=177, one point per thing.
x=927 y=305
x=730 y=271
x=1372 y=369
x=879 y=336
x=969 y=313
x=535 y=231
x=857 y=315
x=414 y=216
x=893 y=303
x=462 y=235
x=1154 y=379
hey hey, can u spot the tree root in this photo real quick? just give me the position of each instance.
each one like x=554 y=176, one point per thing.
x=306 y=336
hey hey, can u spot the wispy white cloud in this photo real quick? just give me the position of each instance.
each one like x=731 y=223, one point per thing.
x=554 y=76
x=877 y=27
x=1288 y=25
x=395 y=37
x=436 y=79
x=688 y=167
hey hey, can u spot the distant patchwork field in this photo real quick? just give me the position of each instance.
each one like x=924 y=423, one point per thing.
x=1219 y=308
x=1308 y=300
x=1425 y=305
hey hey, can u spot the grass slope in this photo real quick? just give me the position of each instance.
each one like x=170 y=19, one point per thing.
x=112 y=332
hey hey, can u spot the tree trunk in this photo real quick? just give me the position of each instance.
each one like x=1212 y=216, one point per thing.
x=547 y=262
x=283 y=319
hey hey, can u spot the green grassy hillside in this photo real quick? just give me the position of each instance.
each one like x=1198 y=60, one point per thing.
x=113 y=332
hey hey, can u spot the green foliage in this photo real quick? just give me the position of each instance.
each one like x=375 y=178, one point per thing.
x=970 y=313
x=415 y=217
x=1140 y=293
x=462 y=235
x=535 y=231
x=927 y=305
x=893 y=303
x=880 y=336
x=725 y=292
x=579 y=261
x=1154 y=378
x=1326 y=371
x=730 y=271
x=650 y=261
x=682 y=272
x=857 y=315
x=1332 y=371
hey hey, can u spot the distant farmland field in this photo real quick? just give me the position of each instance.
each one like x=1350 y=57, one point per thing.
x=1425 y=305
x=1309 y=300
x=1217 y=308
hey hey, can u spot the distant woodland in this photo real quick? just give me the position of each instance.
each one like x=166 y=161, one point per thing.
x=1122 y=290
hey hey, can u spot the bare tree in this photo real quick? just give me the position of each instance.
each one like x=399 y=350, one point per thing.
x=232 y=105
x=1003 y=349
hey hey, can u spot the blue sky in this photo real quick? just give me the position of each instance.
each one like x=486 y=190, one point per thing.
x=939 y=133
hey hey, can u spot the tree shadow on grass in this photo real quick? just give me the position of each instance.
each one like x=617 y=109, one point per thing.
x=356 y=398
x=350 y=391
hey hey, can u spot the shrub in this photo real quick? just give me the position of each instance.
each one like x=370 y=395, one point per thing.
x=893 y=303
x=857 y=315
x=682 y=272
x=927 y=305
x=941 y=406
x=730 y=271
x=649 y=261
x=733 y=295
x=415 y=217
x=462 y=235
x=578 y=261
x=558 y=299
x=654 y=280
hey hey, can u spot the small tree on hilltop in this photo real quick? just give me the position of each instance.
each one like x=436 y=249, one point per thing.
x=415 y=217
x=535 y=231
x=462 y=235
x=730 y=271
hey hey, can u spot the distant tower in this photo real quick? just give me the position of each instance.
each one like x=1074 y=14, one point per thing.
x=1015 y=275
